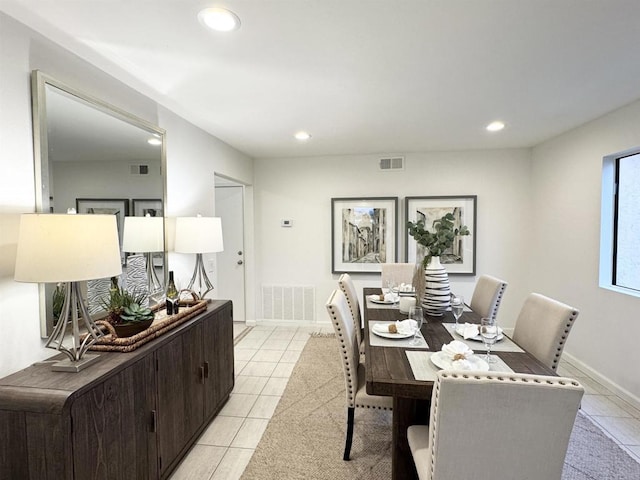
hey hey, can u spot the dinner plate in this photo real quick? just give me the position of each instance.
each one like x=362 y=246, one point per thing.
x=383 y=302
x=441 y=360
x=380 y=329
x=478 y=338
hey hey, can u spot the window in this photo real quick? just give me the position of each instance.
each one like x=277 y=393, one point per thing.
x=620 y=223
x=626 y=232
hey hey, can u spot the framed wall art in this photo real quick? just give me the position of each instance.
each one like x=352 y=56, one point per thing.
x=106 y=206
x=364 y=234
x=144 y=206
x=461 y=258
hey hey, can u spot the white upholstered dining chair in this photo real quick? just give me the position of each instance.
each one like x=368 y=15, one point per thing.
x=496 y=426
x=354 y=371
x=349 y=289
x=543 y=326
x=397 y=273
x=487 y=296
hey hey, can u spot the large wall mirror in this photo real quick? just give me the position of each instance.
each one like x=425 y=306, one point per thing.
x=96 y=158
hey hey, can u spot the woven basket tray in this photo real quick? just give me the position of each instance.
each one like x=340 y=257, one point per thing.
x=161 y=324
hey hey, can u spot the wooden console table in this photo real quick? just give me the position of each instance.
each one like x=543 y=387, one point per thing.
x=129 y=416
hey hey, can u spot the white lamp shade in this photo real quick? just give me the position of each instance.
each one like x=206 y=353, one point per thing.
x=67 y=248
x=143 y=234
x=198 y=235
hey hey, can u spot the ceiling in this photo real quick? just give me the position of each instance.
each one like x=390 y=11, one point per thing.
x=363 y=76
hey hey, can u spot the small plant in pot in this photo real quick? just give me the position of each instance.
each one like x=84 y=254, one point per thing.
x=125 y=310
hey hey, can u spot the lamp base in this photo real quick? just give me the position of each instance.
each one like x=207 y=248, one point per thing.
x=75 y=366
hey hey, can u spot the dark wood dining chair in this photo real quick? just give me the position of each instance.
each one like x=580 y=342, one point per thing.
x=496 y=426
x=354 y=370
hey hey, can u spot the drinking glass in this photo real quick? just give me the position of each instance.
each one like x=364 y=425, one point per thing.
x=457 y=307
x=489 y=334
x=415 y=313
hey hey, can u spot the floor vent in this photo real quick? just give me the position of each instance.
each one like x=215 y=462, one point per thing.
x=391 y=163
x=288 y=302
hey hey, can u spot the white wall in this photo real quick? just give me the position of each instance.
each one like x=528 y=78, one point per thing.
x=301 y=189
x=98 y=179
x=192 y=159
x=196 y=157
x=566 y=186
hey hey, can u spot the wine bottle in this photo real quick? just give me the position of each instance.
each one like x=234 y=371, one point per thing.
x=172 y=297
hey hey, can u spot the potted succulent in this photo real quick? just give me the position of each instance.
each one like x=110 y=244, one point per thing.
x=125 y=310
x=436 y=242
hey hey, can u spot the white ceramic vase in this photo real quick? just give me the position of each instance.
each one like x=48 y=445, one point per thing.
x=437 y=292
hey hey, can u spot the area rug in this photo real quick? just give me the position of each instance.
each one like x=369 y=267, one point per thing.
x=305 y=437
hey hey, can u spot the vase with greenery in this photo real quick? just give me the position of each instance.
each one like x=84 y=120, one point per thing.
x=439 y=238
x=436 y=241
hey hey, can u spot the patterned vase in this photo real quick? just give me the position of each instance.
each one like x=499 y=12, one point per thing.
x=437 y=292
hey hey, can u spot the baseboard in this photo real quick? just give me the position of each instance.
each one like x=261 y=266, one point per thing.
x=287 y=323
x=604 y=381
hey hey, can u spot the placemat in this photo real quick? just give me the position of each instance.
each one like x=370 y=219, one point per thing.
x=504 y=345
x=376 y=341
x=424 y=370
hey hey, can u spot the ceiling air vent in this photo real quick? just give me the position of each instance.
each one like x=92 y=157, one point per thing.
x=391 y=163
x=139 y=169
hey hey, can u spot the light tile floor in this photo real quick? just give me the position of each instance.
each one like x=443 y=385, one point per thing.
x=264 y=360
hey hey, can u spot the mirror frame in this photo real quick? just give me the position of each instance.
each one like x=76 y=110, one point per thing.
x=39 y=82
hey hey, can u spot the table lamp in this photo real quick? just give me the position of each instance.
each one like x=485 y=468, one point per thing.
x=55 y=248
x=199 y=235
x=145 y=235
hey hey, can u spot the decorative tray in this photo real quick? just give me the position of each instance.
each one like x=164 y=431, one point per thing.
x=162 y=323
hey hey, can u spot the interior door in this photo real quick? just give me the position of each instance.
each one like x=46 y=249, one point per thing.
x=230 y=208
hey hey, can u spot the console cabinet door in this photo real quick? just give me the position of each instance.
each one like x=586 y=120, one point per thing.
x=180 y=376
x=218 y=357
x=113 y=425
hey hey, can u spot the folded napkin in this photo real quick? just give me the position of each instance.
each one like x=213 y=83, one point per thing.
x=468 y=330
x=406 y=327
x=388 y=297
x=459 y=354
x=405 y=287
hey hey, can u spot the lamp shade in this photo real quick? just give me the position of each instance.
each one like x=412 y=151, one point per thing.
x=67 y=248
x=143 y=234
x=198 y=235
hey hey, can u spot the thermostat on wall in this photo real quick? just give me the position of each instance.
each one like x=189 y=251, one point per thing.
x=286 y=223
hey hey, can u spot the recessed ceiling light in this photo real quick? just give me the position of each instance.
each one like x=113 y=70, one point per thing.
x=302 y=136
x=154 y=141
x=495 y=126
x=219 y=19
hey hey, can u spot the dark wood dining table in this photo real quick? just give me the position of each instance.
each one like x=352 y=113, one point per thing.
x=389 y=373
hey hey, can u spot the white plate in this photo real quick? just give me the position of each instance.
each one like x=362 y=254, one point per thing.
x=478 y=338
x=440 y=360
x=383 y=302
x=380 y=329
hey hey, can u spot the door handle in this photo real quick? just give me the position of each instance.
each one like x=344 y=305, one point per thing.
x=240 y=262
x=202 y=374
x=239 y=252
x=154 y=421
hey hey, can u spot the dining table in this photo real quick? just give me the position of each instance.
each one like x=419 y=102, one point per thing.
x=390 y=373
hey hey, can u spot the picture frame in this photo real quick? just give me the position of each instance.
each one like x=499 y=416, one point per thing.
x=152 y=206
x=461 y=260
x=106 y=206
x=364 y=234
